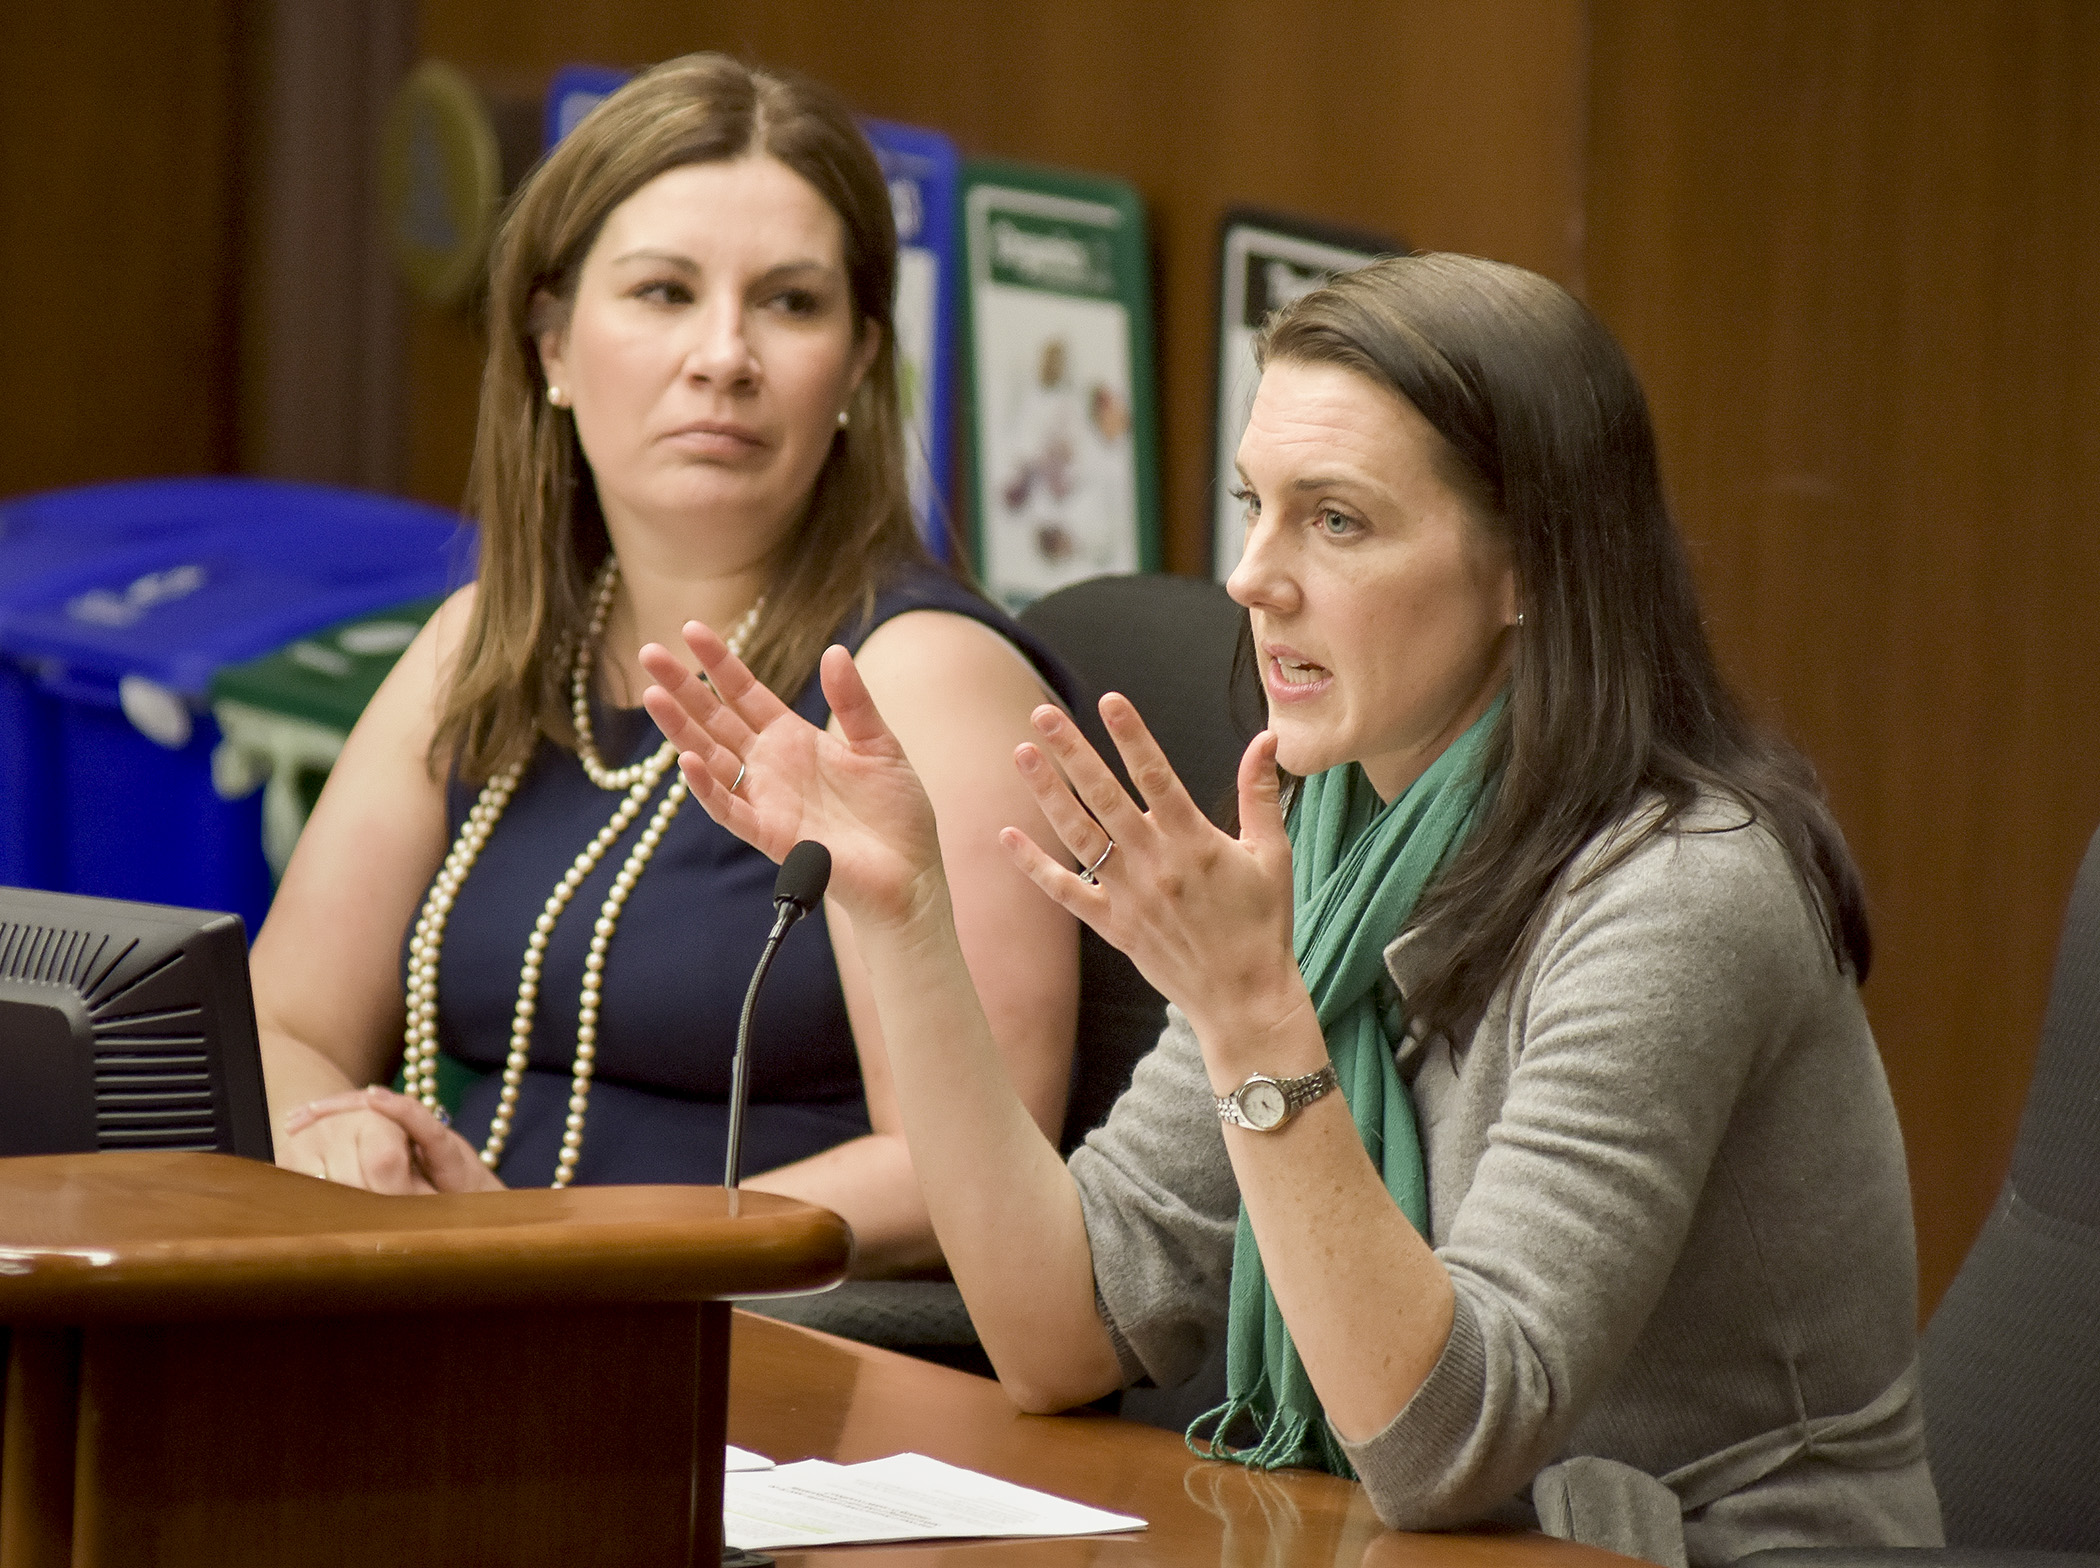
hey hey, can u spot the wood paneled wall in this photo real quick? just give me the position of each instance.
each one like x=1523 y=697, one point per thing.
x=120 y=236
x=1850 y=247
x=324 y=313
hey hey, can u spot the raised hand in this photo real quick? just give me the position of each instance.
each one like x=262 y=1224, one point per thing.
x=1204 y=916
x=772 y=778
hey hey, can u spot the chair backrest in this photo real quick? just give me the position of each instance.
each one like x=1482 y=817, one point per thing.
x=1167 y=644
x=2012 y=1357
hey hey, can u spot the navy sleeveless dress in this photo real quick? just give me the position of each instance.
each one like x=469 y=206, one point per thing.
x=675 y=973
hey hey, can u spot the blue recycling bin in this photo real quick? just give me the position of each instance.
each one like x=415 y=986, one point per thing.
x=117 y=605
x=45 y=539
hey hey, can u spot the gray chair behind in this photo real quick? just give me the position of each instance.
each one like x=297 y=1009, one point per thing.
x=2011 y=1360
x=1166 y=643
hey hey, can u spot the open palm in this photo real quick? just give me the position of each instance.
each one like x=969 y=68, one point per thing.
x=773 y=778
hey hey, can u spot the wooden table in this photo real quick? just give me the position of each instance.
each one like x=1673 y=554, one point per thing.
x=797 y=1394
x=211 y=1361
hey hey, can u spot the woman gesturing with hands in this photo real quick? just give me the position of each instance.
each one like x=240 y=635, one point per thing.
x=1516 y=1110
x=856 y=793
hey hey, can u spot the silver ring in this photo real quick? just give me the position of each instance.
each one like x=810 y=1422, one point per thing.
x=444 y=1117
x=733 y=783
x=1087 y=876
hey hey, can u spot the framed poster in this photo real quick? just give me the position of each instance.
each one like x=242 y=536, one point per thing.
x=1063 y=457
x=1265 y=261
x=925 y=178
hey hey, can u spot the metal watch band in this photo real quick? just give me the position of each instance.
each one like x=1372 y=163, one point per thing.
x=1297 y=1094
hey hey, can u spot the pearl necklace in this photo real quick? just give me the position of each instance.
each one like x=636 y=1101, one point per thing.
x=638 y=781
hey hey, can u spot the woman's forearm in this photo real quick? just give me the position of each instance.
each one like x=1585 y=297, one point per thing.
x=1001 y=1201
x=1002 y=1204
x=1368 y=1303
x=294 y=1073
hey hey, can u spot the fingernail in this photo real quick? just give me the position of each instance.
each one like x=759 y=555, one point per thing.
x=1044 y=719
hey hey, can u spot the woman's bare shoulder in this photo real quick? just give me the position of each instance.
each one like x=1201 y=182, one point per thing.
x=940 y=655
x=446 y=630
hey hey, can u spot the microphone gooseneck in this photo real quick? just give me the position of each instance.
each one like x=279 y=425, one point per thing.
x=796 y=891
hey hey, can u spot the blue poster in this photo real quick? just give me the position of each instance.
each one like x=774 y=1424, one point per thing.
x=575 y=91
x=924 y=173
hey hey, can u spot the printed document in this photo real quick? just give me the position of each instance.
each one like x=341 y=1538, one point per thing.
x=906 y=1497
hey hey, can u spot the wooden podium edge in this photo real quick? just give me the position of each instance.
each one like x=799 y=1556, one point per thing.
x=157 y=1238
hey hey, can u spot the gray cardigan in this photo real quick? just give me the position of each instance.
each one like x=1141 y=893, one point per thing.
x=1666 y=1180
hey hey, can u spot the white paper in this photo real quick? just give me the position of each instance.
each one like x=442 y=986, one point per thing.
x=735 y=1458
x=906 y=1497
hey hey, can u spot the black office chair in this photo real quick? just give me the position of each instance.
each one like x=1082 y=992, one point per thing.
x=2011 y=1360
x=1166 y=643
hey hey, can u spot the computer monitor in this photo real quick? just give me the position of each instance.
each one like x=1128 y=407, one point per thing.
x=125 y=1026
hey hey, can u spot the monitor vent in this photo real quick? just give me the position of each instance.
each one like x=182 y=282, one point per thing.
x=53 y=955
x=153 y=1094
x=152 y=1071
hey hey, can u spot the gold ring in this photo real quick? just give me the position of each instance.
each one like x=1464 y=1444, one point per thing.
x=1087 y=876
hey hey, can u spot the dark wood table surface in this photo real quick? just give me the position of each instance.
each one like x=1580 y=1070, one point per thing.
x=796 y=1394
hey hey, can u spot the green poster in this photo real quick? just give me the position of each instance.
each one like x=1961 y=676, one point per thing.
x=1063 y=456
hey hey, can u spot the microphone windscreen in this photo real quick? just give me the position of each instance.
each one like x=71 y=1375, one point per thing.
x=803 y=876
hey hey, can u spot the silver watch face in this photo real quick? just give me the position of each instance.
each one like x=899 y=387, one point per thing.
x=1263 y=1104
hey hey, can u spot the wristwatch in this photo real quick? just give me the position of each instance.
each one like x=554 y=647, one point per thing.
x=1263 y=1104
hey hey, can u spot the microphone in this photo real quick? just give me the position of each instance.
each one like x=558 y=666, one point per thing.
x=802 y=879
x=796 y=891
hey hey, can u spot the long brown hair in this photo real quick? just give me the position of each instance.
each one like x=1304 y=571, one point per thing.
x=543 y=537
x=1615 y=698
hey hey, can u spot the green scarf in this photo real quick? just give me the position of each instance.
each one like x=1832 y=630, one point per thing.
x=1357 y=868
